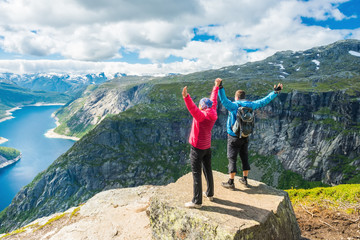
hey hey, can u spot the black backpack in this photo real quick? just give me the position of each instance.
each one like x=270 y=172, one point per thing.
x=245 y=122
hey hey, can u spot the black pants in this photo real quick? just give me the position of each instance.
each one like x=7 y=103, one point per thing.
x=201 y=159
x=237 y=146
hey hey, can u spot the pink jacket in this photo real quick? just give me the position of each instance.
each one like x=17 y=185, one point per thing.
x=203 y=122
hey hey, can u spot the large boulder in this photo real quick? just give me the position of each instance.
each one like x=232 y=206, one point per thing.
x=257 y=212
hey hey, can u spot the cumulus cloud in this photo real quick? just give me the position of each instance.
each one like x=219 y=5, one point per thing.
x=139 y=10
x=89 y=30
x=109 y=68
x=322 y=9
x=281 y=29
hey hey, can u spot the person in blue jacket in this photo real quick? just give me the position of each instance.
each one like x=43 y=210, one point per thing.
x=239 y=145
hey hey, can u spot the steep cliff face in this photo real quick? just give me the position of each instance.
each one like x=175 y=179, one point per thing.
x=314 y=134
x=84 y=113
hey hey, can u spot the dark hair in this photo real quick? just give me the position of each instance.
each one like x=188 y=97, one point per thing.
x=240 y=94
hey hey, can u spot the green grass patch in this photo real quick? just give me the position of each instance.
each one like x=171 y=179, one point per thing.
x=9 y=153
x=17 y=231
x=75 y=212
x=51 y=220
x=344 y=197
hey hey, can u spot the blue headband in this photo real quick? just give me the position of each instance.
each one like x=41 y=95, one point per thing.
x=205 y=103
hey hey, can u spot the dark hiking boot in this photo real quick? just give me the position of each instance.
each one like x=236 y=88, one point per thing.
x=228 y=185
x=244 y=182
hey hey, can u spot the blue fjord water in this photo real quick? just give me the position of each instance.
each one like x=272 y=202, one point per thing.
x=26 y=132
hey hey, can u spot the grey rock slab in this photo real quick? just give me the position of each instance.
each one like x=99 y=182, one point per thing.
x=257 y=212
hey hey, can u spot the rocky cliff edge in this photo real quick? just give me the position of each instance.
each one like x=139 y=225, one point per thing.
x=158 y=212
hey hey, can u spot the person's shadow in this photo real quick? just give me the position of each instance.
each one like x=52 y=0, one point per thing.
x=238 y=210
x=249 y=214
x=241 y=210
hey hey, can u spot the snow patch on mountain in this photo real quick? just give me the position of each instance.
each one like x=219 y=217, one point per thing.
x=56 y=82
x=317 y=63
x=280 y=66
x=356 y=54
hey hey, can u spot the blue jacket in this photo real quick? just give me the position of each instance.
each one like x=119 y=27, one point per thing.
x=233 y=106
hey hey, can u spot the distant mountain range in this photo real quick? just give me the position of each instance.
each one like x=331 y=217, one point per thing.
x=54 y=82
x=135 y=130
x=12 y=95
x=24 y=89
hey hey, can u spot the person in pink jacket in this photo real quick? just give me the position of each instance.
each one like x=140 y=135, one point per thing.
x=204 y=119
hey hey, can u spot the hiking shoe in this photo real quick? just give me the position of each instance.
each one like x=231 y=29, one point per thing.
x=192 y=205
x=244 y=181
x=228 y=185
x=210 y=198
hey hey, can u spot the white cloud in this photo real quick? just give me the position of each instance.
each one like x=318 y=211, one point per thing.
x=110 y=68
x=322 y=9
x=155 y=29
x=27 y=42
x=81 y=12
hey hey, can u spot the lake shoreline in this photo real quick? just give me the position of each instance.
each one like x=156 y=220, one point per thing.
x=26 y=134
x=52 y=134
x=10 y=162
x=3 y=140
x=9 y=112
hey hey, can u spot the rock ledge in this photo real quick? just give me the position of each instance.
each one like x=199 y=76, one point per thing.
x=257 y=212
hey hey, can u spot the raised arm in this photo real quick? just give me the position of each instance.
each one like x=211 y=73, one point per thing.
x=214 y=93
x=264 y=101
x=226 y=102
x=193 y=109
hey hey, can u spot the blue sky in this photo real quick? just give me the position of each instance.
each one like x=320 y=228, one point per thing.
x=351 y=9
x=158 y=37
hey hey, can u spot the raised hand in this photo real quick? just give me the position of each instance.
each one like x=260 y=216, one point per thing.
x=184 y=92
x=218 y=81
x=278 y=88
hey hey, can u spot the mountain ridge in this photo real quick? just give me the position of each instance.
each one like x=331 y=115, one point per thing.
x=55 y=82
